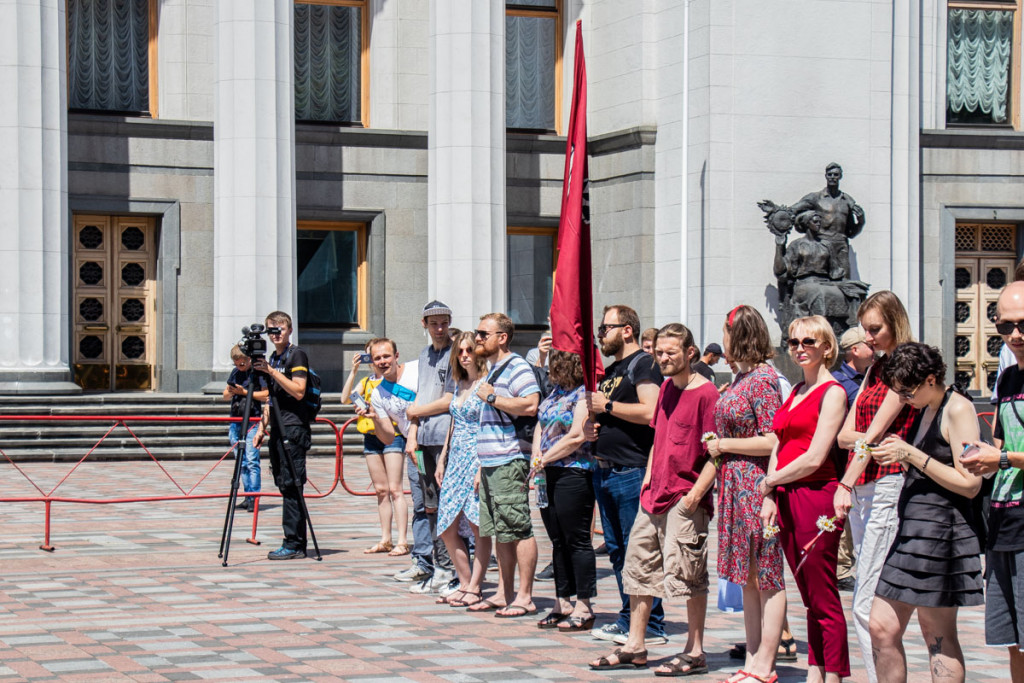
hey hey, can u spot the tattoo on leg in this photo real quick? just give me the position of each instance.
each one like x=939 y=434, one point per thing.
x=936 y=648
x=939 y=668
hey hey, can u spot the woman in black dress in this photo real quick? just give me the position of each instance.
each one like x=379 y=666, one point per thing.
x=933 y=565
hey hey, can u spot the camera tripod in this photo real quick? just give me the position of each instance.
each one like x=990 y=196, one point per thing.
x=275 y=426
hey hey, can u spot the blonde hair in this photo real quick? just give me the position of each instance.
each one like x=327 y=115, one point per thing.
x=236 y=353
x=821 y=330
x=892 y=312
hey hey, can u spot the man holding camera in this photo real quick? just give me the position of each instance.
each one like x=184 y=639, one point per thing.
x=290 y=436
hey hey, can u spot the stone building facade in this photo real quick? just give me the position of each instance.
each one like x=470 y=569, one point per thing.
x=349 y=160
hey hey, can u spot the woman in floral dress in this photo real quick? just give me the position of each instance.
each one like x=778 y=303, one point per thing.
x=743 y=423
x=458 y=472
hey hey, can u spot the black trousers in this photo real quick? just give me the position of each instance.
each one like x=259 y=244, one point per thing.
x=567 y=520
x=293 y=441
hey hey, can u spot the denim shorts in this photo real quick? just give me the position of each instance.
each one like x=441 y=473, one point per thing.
x=373 y=445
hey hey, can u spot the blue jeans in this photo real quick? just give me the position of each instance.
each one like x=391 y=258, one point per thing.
x=617 y=490
x=251 y=460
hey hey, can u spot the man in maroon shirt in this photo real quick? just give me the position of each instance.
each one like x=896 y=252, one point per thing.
x=668 y=554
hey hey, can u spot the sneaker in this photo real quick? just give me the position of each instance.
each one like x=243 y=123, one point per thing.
x=609 y=632
x=421 y=587
x=441 y=578
x=451 y=588
x=650 y=638
x=413 y=573
x=285 y=554
x=546 y=574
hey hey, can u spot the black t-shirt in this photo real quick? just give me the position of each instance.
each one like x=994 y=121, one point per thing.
x=1006 y=509
x=620 y=442
x=294 y=364
x=242 y=379
x=704 y=370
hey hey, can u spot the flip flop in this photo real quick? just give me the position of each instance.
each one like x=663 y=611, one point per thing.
x=448 y=600
x=517 y=611
x=461 y=602
x=488 y=605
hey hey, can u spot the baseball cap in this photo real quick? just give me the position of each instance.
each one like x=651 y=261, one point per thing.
x=713 y=348
x=436 y=308
x=850 y=338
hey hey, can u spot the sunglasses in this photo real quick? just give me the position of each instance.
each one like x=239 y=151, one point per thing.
x=603 y=329
x=483 y=334
x=806 y=342
x=1007 y=327
x=908 y=394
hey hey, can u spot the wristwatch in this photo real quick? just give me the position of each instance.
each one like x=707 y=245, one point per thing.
x=1004 y=460
x=608 y=408
x=491 y=398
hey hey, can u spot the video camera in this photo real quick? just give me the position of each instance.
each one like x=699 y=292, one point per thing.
x=252 y=342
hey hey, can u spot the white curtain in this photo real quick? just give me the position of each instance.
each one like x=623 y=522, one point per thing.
x=530 y=73
x=979 y=45
x=108 y=55
x=327 y=63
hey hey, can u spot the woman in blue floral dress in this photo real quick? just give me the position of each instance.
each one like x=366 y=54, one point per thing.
x=458 y=474
x=560 y=448
x=743 y=422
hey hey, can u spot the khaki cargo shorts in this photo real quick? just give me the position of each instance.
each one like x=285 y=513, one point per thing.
x=505 y=502
x=667 y=556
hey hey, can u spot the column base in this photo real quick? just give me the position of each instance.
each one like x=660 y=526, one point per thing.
x=37 y=383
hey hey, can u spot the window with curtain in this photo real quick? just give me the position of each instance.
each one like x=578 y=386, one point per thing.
x=109 y=55
x=979 y=62
x=531 y=269
x=329 y=61
x=532 y=64
x=331 y=265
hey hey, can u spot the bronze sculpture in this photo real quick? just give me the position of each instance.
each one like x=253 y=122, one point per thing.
x=814 y=271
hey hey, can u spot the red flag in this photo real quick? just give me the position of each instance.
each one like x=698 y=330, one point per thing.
x=572 y=305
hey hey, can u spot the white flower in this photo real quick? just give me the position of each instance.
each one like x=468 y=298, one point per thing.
x=827 y=523
x=861 y=449
x=535 y=464
x=770 y=531
x=708 y=436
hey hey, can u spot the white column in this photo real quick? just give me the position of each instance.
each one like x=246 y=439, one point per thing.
x=254 y=167
x=34 y=196
x=466 y=158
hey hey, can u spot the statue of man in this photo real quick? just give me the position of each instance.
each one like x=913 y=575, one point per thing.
x=841 y=218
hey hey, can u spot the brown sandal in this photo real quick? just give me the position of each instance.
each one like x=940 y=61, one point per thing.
x=684 y=665
x=379 y=547
x=623 y=660
x=399 y=550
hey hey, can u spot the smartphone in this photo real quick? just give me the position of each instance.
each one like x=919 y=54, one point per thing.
x=365 y=358
x=358 y=400
x=970 y=450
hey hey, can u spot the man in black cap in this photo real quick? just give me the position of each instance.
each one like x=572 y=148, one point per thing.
x=432 y=570
x=712 y=353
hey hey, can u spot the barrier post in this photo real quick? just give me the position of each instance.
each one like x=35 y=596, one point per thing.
x=46 y=526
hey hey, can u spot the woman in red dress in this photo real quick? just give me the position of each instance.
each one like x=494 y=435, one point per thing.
x=743 y=422
x=799 y=490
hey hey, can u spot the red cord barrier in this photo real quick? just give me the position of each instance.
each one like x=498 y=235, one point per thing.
x=49 y=497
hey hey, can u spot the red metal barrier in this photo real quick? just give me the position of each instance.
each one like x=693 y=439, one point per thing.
x=49 y=497
x=987 y=417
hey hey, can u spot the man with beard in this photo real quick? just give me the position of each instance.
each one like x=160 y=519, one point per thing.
x=509 y=391
x=624 y=407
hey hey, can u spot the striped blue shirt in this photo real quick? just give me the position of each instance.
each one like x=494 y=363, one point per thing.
x=497 y=443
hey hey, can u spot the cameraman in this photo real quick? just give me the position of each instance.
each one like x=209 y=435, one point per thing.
x=287 y=368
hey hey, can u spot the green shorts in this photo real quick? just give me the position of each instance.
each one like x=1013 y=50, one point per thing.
x=505 y=502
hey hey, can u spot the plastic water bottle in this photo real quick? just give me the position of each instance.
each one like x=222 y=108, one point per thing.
x=540 y=485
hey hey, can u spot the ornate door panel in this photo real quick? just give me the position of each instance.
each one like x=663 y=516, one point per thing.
x=985 y=262
x=114 y=302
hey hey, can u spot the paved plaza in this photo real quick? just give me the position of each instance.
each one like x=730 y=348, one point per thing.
x=135 y=592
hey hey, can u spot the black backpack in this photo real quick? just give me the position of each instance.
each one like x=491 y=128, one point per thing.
x=525 y=425
x=312 y=399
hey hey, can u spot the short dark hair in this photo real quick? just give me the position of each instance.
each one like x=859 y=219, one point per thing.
x=910 y=365
x=627 y=316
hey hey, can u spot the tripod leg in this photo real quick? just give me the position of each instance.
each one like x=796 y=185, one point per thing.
x=229 y=514
x=276 y=416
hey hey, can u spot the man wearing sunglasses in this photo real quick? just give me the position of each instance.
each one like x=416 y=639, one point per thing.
x=509 y=391
x=1004 y=592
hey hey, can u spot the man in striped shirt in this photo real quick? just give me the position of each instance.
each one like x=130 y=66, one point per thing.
x=509 y=391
